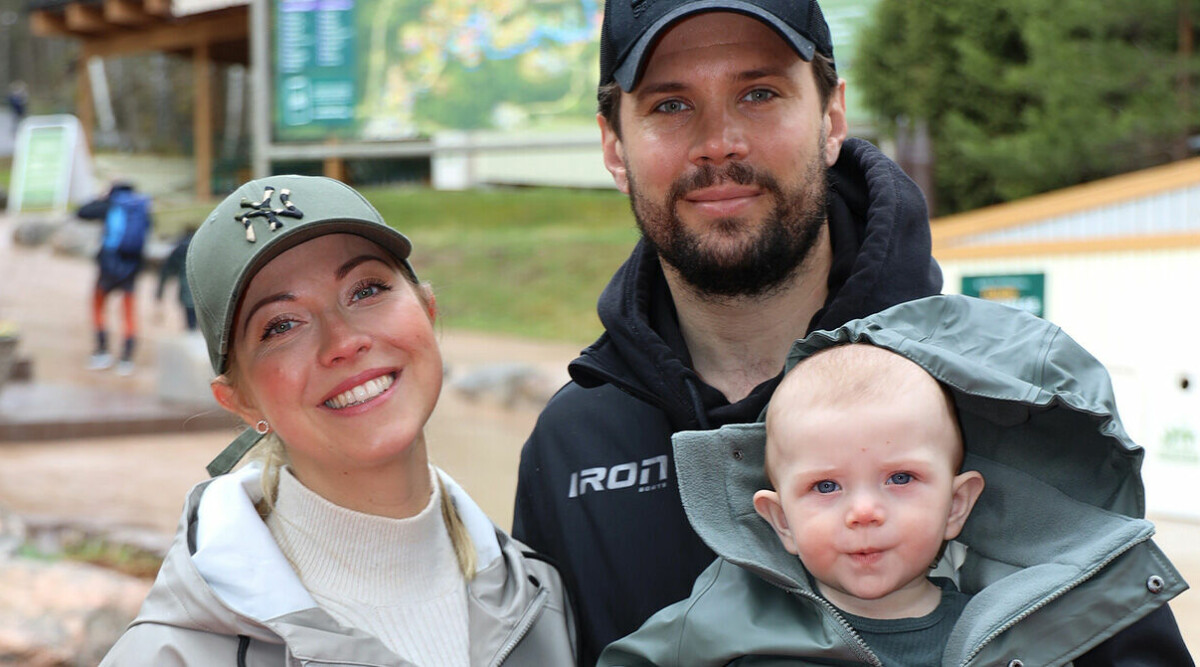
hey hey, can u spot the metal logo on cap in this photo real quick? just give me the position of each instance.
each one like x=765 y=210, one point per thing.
x=262 y=209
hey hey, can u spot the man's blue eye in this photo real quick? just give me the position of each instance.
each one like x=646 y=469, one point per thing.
x=759 y=95
x=671 y=106
x=826 y=486
x=900 y=478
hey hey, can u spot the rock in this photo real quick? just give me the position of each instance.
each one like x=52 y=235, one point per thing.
x=35 y=231
x=184 y=372
x=77 y=238
x=63 y=614
x=509 y=384
x=13 y=532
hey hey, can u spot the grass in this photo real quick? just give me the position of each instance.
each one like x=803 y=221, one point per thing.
x=122 y=558
x=529 y=262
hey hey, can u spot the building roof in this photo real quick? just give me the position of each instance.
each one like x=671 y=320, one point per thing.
x=1153 y=208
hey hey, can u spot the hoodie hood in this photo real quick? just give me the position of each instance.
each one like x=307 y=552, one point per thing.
x=1063 y=497
x=879 y=228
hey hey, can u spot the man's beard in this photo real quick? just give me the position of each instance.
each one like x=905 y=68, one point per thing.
x=759 y=264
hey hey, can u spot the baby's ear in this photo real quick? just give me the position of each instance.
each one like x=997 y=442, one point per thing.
x=967 y=488
x=766 y=503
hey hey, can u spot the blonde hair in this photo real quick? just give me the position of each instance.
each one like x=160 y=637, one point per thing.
x=272 y=453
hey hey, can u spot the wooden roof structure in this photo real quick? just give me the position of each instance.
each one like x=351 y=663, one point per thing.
x=207 y=31
x=1152 y=209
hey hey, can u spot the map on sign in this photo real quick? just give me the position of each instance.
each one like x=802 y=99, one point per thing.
x=395 y=69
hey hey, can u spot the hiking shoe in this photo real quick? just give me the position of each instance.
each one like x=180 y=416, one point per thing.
x=125 y=368
x=100 y=361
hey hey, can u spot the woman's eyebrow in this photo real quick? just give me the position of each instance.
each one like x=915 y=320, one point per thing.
x=281 y=296
x=346 y=268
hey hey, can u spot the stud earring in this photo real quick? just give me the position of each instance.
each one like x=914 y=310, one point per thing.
x=262 y=427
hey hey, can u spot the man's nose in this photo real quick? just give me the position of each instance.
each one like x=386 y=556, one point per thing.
x=719 y=137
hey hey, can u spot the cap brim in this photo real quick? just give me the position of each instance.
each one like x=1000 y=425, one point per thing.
x=630 y=70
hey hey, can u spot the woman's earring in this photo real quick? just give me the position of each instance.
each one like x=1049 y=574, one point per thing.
x=262 y=427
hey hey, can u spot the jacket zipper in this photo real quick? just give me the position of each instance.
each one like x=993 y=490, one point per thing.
x=531 y=616
x=844 y=623
x=1051 y=598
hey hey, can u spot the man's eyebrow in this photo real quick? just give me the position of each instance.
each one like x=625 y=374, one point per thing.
x=761 y=73
x=273 y=298
x=659 y=88
x=345 y=269
x=676 y=86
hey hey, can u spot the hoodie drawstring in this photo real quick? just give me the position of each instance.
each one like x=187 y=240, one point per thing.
x=697 y=404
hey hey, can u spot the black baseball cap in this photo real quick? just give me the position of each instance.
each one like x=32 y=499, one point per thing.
x=631 y=27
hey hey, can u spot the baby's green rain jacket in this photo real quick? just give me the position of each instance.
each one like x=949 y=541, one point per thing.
x=1056 y=553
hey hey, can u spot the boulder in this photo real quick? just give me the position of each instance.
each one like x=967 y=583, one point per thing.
x=63 y=614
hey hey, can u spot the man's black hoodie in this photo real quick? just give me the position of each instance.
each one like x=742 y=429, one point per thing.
x=596 y=491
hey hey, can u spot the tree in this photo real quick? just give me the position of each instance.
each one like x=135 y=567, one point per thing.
x=1027 y=96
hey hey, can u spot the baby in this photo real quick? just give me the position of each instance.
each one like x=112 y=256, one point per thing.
x=863 y=451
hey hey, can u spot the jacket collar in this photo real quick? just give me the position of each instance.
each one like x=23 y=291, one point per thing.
x=224 y=574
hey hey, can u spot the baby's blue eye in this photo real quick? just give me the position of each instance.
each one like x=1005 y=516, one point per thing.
x=826 y=486
x=900 y=478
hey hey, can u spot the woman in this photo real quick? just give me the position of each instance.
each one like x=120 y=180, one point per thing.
x=342 y=544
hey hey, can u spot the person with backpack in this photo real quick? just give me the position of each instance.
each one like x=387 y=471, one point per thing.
x=127 y=223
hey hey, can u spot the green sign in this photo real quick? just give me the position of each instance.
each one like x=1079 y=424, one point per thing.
x=1026 y=291
x=398 y=69
x=49 y=167
x=314 y=63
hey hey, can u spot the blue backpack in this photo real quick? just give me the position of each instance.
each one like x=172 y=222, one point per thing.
x=127 y=222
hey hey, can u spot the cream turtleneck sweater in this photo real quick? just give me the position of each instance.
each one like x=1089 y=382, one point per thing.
x=397 y=579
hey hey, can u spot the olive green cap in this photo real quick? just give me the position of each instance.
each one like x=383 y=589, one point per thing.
x=257 y=223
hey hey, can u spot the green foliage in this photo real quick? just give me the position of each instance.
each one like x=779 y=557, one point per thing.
x=1027 y=96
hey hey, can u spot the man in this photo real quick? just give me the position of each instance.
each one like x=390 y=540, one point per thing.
x=724 y=121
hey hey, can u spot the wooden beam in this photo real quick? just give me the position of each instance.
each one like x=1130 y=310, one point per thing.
x=202 y=120
x=158 y=7
x=223 y=26
x=48 y=24
x=85 y=108
x=85 y=18
x=126 y=12
x=1088 y=196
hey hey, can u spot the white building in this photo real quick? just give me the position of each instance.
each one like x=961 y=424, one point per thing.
x=1116 y=264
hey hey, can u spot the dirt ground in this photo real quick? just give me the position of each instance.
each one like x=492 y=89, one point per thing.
x=142 y=480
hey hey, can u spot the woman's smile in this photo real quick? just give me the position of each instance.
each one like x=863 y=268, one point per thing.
x=360 y=392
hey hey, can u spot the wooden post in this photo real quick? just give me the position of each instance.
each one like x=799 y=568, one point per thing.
x=335 y=167
x=202 y=120
x=85 y=108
